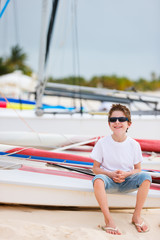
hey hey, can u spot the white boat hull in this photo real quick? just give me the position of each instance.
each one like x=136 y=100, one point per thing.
x=20 y=187
x=40 y=140
x=75 y=124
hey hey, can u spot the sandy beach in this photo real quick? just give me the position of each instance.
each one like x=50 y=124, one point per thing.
x=32 y=223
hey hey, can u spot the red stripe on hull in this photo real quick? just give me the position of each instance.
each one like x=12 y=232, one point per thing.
x=47 y=154
x=3 y=105
x=155 y=186
x=70 y=174
x=147 y=145
x=56 y=172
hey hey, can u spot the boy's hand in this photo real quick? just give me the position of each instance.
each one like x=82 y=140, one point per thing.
x=119 y=176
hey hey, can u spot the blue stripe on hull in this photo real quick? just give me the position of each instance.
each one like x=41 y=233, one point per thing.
x=58 y=160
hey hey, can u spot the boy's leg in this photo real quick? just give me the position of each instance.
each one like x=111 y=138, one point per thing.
x=141 y=197
x=141 y=182
x=101 y=197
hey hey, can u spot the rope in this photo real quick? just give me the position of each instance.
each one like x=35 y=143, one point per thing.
x=22 y=119
x=10 y=154
x=74 y=145
x=11 y=166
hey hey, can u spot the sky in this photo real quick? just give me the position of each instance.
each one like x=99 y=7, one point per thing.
x=119 y=37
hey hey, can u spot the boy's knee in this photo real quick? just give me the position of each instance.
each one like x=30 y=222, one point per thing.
x=98 y=182
x=143 y=176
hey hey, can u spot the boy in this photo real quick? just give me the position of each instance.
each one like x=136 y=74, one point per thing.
x=117 y=165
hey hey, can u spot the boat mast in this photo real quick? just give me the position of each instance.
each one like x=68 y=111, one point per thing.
x=43 y=53
x=40 y=84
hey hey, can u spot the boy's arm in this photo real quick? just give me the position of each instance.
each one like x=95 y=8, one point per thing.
x=137 y=169
x=98 y=170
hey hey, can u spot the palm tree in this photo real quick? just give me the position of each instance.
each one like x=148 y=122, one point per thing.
x=17 y=55
x=17 y=60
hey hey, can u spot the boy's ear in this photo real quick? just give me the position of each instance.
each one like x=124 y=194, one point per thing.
x=129 y=124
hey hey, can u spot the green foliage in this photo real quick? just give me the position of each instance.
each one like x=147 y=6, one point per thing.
x=16 y=61
x=3 y=67
x=144 y=85
x=70 y=80
x=111 y=82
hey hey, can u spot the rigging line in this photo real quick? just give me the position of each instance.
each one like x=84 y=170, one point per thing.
x=4 y=8
x=75 y=145
x=64 y=36
x=22 y=119
x=60 y=43
x=73 y=52
x=76 y=38
x=72 y=169
x=16 y=21
x=50 y=29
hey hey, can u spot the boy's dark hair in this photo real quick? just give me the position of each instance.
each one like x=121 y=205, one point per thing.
x=122 y=108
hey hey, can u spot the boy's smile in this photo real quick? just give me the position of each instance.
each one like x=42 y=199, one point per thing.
x=117 y=127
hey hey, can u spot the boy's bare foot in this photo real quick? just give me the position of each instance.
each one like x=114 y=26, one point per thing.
x=110 y=227
x=111 y=230
x=140 y=225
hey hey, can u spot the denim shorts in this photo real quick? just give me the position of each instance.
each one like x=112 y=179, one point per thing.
x=131 y=183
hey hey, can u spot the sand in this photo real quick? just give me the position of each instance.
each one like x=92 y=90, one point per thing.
x=28 y=223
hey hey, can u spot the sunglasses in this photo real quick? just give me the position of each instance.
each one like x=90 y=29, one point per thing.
x=120 y=119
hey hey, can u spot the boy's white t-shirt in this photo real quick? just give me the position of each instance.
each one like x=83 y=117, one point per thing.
x=117 y=155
